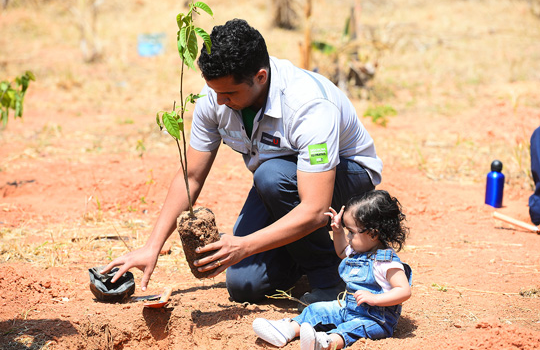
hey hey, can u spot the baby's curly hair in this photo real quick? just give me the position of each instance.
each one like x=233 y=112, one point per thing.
x=382 y=215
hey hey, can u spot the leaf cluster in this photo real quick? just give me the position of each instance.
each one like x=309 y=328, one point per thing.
x=187 y=34
x=13 y=98
x=173 y=121
x=379 y=114
x=188 y=49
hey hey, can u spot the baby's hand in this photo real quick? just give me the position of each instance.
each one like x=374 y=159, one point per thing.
x=335 y=218
x=363 y=296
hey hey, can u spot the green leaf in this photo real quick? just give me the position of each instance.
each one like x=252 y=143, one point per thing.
x=182 y=38
x=158 y=121
x=180 y=122
x=323 y=47
x=190 y=54
x=30 y=75
x=206 y=38
x=4 y=117
x=180 y=20
x=203 y=7
x=171 y=124
x=180 y=46
x=24 y=83
x=346 y=30
x=6 y=98
x=12 y=96
x=4 y=86
x=18 y=108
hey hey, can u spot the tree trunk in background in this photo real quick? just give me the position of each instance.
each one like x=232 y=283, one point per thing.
x=305 y=48
x=284 y=14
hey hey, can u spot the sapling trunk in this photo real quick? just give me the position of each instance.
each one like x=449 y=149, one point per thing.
x=183 y=160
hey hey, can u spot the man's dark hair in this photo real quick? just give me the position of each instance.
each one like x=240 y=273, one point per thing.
x=237 y=49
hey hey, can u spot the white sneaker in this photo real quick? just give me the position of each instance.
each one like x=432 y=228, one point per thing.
x=311 y=340
x=277 y=333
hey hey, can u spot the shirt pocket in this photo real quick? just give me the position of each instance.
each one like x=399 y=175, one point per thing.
x=234 y=140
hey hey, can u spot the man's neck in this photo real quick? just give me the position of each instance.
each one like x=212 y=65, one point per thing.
x=261 y=101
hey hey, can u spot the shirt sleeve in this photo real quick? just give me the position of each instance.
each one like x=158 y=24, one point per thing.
x=380 y=269
x=315 y=135
x=204 y=135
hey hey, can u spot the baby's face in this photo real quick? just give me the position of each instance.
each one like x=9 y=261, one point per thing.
x=359 y=238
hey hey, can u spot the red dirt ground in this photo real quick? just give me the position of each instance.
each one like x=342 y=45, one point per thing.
x=69 y=187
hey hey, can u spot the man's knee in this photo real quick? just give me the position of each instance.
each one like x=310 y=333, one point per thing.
x=275 y=176
x=243 y=290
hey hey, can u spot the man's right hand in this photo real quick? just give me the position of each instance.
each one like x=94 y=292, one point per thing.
x=144 y=258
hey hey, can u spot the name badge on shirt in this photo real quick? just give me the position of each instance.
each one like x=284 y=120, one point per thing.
x=270 y=140
x=318 y=154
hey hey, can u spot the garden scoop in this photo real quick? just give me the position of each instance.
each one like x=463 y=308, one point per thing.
x=164 y=300
x=515 y=222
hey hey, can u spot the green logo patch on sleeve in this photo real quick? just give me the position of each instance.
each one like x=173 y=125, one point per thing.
x=318 y=154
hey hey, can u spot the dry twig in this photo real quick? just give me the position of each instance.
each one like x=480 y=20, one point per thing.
x=285 y=295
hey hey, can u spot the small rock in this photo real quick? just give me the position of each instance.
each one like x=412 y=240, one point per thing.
x=166 y=249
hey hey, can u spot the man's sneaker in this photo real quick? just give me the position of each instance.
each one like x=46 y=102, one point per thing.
x=277 y=333
x=311 y=340
x=321 y=294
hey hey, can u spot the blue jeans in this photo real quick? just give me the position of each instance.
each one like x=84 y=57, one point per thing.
x=273 y=195
x=331 y=317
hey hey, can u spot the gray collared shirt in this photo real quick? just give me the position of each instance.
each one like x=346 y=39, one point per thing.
x=305 y=115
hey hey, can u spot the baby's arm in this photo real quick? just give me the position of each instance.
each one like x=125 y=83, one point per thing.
x=339 y=236
x=401 y=291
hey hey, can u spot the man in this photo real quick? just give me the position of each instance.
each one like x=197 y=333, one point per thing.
x=301 y=138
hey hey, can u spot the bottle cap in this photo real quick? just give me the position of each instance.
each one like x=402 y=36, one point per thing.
x=497 y=166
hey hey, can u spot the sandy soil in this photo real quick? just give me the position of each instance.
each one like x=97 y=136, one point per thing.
x=83 y=176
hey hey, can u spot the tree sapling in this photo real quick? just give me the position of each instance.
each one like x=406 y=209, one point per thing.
x=13 y=98
x=197 y=227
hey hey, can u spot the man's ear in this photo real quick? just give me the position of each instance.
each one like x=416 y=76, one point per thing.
x=262 y=76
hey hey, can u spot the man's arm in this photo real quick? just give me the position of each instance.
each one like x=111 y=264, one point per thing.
x=315 y=190
x=145 y=258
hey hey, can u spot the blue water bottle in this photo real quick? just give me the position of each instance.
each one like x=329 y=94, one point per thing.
x=495 y=185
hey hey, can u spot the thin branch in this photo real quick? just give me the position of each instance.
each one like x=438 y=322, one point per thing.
x=184 y=160
x=482 y=291
x=285 y=295
x=120 y=237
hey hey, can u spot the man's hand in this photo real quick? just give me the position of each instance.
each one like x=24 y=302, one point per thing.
x=228 y=251
x=143 y=258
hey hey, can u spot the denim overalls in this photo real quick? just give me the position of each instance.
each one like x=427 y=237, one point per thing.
x=346 y=318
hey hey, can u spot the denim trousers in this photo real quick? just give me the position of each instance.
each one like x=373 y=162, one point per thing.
x=273 y=195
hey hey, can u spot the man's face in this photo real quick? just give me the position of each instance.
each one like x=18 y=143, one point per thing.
x=240 y=96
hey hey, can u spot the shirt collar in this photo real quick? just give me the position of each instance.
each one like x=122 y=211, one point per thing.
x=273 y=101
